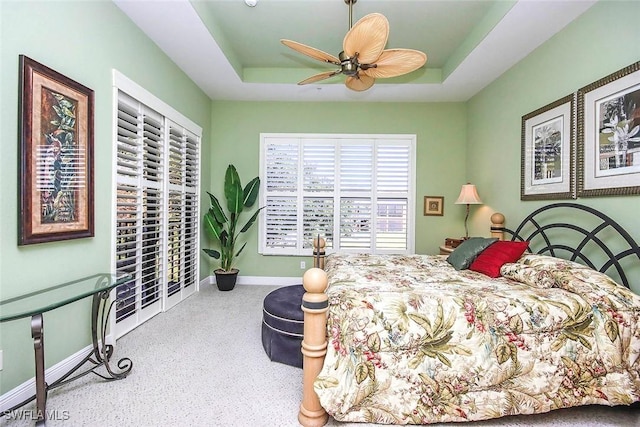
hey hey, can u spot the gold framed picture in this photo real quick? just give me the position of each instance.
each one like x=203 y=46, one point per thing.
x=609 y=135
x=548 y=140
x=56 y=156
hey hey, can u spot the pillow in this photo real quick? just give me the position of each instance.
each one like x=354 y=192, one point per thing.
x=462 y=256
x=495 y=256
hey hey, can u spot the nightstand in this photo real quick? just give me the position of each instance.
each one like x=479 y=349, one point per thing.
x=446 y=250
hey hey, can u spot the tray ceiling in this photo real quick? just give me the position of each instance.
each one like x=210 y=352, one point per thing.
x=233 y=51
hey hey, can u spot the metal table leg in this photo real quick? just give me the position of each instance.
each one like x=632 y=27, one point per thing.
x=37 y=333
x=99 y=355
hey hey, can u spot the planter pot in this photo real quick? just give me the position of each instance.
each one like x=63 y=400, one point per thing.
x=226 y=280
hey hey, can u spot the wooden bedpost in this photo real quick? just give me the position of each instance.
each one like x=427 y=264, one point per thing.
x=318 y=252
x=315 y=305
x=497 y=225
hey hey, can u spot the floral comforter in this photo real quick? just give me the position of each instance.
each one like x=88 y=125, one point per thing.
x=413 y=341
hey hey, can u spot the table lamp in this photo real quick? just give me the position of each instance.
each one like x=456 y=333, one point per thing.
x=468 y=196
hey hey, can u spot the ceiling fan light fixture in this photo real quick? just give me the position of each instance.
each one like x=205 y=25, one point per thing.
x=349 y=66
x=363 y=57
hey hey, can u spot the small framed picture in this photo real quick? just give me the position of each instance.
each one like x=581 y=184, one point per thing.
x=433 y=205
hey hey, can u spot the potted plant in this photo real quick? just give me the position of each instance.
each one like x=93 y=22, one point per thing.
x=224 y=227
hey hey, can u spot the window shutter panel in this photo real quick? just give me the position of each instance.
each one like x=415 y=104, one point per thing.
x=319 y=162
x=175 y=227
x=391 y=225
x=152 y=202
x=176 y=157
x=319 y=178
x=192 y=199
x=175 y=210
x=152 y=253
x=392 y=173
x=128 y=202
x=392 y=182
x=355 y=224
x=138 y=206
x=318 y=219
x=128 y=141
x=282 y=168
x=356 y=168
x=182 y=208
x=281 y=219
x=281 y=187
x=356 y=185
x=128 y=214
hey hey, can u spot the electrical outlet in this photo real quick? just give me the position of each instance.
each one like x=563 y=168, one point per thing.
x=303 y=265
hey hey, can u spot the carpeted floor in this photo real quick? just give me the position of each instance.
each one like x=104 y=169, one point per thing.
x=202 y=364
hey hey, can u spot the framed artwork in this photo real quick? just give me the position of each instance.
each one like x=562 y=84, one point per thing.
x=548 y=141
x=433 y=205
x=55 y=156
x=609 y=135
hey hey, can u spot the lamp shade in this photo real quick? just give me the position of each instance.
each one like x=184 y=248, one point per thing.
x=468 y=196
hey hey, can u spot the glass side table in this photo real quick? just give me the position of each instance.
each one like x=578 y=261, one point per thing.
x=35 y=304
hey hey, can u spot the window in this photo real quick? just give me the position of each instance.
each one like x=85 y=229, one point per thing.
x=357 y=191
x=156 y=221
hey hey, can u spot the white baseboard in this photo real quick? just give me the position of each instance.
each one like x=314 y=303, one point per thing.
x=27 y=389
x=259 y=280
x=209 y=280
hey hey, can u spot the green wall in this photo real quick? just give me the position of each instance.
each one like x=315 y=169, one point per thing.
x=441 y=136
x=84 y=41
x=603 y=40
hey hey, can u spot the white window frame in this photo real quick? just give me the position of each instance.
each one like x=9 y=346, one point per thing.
x=409 y=139
x=171 y=118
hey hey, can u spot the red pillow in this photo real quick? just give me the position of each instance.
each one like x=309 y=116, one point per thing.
x=496 y=255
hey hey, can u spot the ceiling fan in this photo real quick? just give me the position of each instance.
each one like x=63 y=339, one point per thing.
x=363 y=58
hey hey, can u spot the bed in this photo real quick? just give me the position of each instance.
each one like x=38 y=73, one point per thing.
x=409 y=339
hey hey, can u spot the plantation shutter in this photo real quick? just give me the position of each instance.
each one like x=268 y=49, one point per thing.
x=157 y=205
x=356 y=196
x=191 y=210
x=281 y=205
x=393 y=183
x=319 y=166
x=182 y=220
x=356 y=191
x=139 y=217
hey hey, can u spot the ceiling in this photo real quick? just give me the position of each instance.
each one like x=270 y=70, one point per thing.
x=233 y=51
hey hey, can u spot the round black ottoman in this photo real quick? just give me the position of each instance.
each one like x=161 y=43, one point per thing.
x=283 y=326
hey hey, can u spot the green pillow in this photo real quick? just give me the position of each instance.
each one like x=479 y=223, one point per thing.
x=462 y=256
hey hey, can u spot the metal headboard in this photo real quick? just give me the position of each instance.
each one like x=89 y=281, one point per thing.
x=613 y=248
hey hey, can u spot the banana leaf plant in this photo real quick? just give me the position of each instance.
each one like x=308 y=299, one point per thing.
x=223 y=227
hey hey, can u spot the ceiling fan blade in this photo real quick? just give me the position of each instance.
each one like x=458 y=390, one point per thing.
x=311 y=51
x=395 y=62
x=318 y=77
x=359 y=82
x=367 y=37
